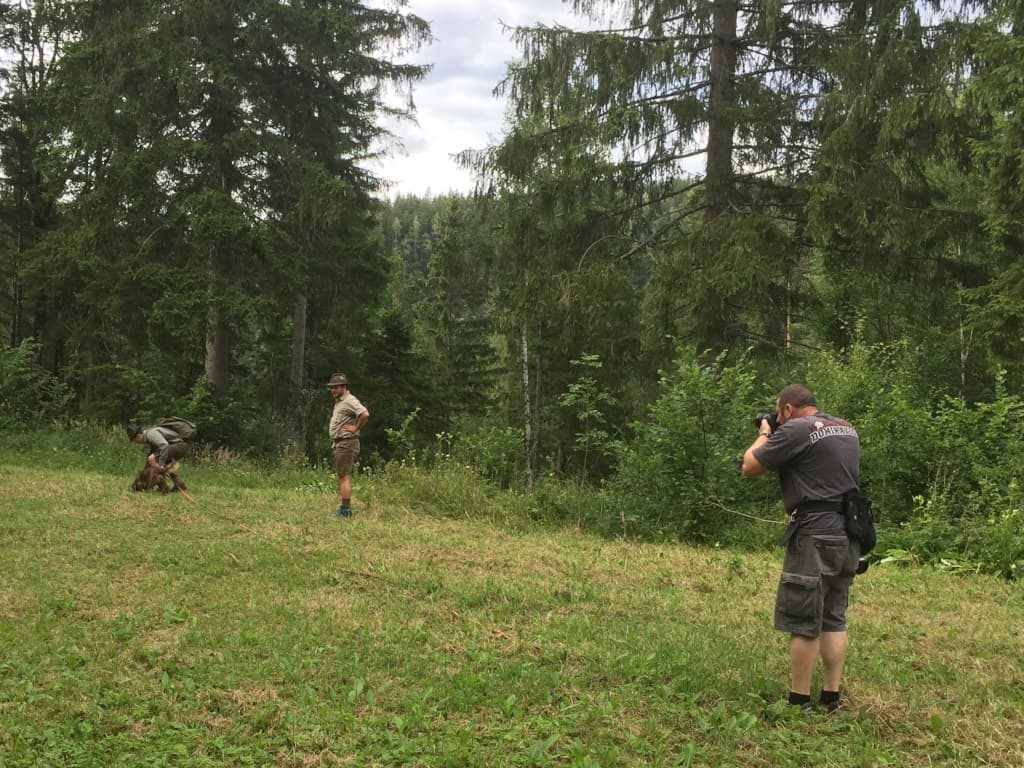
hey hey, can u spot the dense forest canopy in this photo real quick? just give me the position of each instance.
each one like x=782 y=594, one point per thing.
x=692 y=205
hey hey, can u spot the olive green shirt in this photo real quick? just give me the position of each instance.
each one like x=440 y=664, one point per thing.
x=346 y=411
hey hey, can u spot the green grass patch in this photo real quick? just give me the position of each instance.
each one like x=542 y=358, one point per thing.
x=442 y=626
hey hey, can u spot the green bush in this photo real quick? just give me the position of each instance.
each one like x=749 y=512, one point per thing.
x=943 y=473
x=680 y=476
x=495 y=452
x=971 y=510
x=29 y=395
x=872 y=387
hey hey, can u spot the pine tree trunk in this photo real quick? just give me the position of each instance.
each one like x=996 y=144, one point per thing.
x=48 y=332
x=217 y=346
x=721 y=123
x=16 y=291
x=294 y=422
x=527 y=414
x=965 y=344
x=221 y=109
x=298 y=340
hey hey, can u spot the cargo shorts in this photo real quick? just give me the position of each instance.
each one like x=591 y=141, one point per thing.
x=343 y=456
x=175 y=451
x=814 y=589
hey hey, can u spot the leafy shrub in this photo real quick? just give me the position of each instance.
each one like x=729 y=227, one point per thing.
x=400 y=438
x=987 y=531
x=972 y=508
x=29 y=395
x=680 y=476
x=943 y=473
x=872 y=386
x=493 y=451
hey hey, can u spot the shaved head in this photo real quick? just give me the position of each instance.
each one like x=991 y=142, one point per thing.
x=797 y=395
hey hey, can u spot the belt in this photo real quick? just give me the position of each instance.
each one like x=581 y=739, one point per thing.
x=796 y=517
x=819 y=506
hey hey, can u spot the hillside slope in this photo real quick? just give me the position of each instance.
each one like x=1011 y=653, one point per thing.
x=255 y=629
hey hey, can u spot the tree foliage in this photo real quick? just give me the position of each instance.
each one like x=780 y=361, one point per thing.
x=818 y=191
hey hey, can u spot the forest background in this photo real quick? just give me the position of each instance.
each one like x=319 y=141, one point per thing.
x=187 y=226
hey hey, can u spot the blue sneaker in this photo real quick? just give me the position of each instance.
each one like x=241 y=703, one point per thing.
x=343 y=512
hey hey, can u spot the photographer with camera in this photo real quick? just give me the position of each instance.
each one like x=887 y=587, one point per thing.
x=817 y=457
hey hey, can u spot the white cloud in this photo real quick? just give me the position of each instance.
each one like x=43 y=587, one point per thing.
x=455 y=105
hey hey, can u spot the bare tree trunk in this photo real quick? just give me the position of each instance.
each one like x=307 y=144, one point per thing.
x=294 y=421
x=16 y=291
x=298 y=340
x=217 y=346
x=965 y=347
x=48 y=331
x=789 y=317
x=527 y=414
x=222 y=108
x=721 y=103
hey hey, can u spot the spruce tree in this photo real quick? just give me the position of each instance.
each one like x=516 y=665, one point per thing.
x=208 y=118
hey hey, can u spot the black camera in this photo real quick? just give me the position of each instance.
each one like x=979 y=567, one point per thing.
x=771 y=418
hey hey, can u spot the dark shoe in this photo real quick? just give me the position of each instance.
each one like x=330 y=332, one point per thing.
x=343 y=512
x=830 y=704
x=800 y=700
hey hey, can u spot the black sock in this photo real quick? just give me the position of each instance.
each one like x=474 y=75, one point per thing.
x=799 y=699
x=829 y=700
x=346 y=503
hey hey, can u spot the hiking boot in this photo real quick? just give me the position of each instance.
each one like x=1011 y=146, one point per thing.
x=343 y=512
x=830 y=704
x=804 y=703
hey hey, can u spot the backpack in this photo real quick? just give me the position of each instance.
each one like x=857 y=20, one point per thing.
x=184 y=428
x=859 y=522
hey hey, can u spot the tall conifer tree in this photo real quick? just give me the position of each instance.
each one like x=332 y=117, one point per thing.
x=213 y=119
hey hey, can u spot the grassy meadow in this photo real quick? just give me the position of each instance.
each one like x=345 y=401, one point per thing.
x=436 y=628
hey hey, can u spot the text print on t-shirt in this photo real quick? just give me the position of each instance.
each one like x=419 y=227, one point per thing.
x=833 y=430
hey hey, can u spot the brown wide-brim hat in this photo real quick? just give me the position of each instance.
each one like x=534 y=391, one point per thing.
x=337 y=380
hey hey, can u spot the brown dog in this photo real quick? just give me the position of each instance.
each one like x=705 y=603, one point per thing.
x=151 y=477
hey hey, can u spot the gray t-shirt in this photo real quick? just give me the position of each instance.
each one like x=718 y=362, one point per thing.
x=818 y=459
x=158 y=440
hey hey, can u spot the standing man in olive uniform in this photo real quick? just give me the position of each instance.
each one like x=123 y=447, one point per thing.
x=349 y=416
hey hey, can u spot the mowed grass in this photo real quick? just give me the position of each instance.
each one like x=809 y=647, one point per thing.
x=255 y=629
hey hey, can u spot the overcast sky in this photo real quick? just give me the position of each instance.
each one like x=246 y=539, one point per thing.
x=455 y=107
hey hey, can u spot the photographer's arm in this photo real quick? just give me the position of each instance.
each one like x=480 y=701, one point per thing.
x=751 y=466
